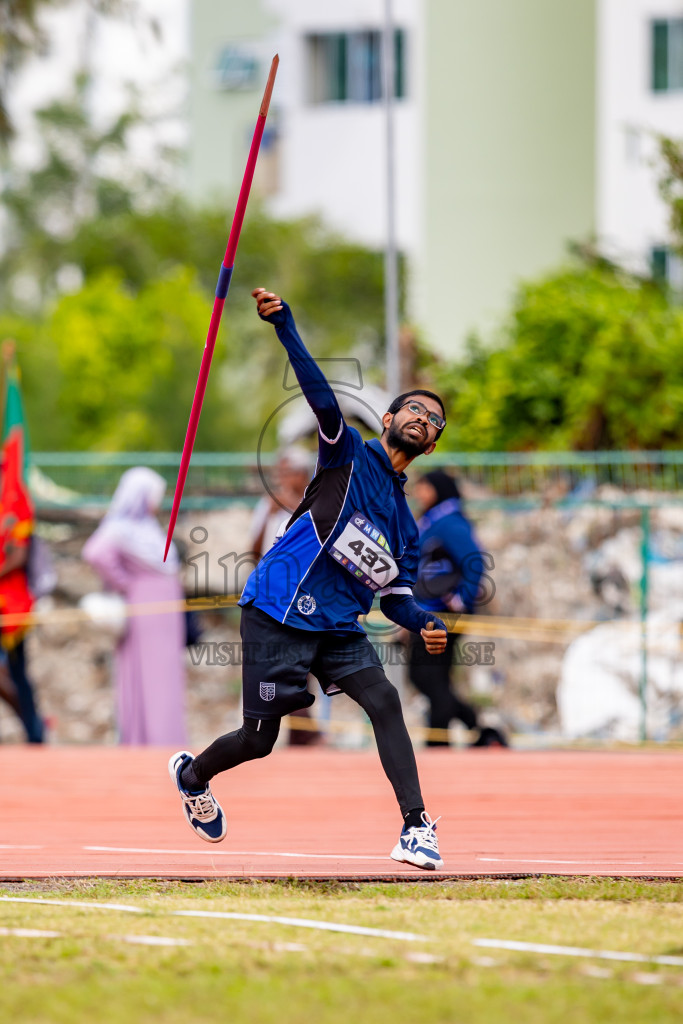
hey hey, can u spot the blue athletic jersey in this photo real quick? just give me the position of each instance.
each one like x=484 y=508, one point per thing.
x=451 y=562
x=353 y=521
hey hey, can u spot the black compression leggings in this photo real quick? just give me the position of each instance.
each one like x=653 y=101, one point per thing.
x=431 y=675
x=255 y=738
x=379 y=699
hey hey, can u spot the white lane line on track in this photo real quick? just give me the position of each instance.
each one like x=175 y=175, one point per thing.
x=150 y=940
x=593 y=971
x=597 y=863
x=237 y=853
x=600 y=954
x=125 y=907
x=16 y=846
x=417 y=956
x=29 y=933
x=297 y=922
x=301 y=922
x=137 y=940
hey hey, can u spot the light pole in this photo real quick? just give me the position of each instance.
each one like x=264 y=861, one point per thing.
x=393 y=369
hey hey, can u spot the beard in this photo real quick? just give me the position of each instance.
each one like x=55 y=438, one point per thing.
x=397 y=438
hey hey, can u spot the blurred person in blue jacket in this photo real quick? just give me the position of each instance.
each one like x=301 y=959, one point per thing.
x=448 y=580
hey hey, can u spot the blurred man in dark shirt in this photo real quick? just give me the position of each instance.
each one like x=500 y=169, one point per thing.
x=449 y=573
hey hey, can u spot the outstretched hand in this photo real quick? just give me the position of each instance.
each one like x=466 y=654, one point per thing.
x=435 y=639
x=267 y=303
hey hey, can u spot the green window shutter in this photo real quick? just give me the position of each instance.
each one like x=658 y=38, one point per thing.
x=399 y=64
x=340 y=65
x=659 y=262
x=660 y=56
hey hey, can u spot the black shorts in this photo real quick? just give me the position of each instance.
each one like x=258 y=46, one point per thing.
x=276 y=660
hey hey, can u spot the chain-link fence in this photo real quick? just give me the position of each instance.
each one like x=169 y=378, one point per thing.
x=588 y=556
x=508 y=479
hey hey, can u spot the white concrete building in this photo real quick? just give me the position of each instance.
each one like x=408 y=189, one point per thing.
x=326 y=149
x=639 y=96
x=522 y=125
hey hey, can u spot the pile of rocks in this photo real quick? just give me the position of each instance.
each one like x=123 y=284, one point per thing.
x=548 y=563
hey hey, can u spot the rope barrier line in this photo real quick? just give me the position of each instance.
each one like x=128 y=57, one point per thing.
x=553 y=631
x=323 y=727
x=57 y=615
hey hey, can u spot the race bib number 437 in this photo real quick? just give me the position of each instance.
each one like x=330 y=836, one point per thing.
x=364 y=551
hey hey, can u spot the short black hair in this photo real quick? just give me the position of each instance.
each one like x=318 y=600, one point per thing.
x=443 y=483
x=399 y=402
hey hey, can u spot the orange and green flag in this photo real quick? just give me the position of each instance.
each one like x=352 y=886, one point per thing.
x=13 y=418
x=16 y=507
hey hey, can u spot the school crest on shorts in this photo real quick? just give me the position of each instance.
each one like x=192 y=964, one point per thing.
x=306 y=604
x=267 y=691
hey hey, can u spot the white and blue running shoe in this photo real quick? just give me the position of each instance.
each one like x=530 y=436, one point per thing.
x=202 y=811
x=419 y=846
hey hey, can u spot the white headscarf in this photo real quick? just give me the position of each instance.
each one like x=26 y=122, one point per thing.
x=131 y=519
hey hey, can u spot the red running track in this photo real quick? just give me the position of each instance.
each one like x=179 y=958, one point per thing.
x=314 y=813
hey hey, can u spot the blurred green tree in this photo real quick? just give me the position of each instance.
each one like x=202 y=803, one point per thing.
x=85 y=175
x=671 y=186
x=22 y=35
x=89 y=245
x=590 y=358
x=144 y=307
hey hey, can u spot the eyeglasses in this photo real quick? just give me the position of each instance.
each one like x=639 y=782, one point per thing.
x=418 y=409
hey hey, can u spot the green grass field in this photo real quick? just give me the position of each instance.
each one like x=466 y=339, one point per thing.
x=274 y=973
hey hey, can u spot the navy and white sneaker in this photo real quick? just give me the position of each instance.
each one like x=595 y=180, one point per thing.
x=418 y=845
x=202 y=811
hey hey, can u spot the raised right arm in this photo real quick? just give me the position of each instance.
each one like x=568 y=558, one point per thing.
x=332 y=429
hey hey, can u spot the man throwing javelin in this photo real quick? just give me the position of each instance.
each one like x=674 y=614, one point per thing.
x=351 y=537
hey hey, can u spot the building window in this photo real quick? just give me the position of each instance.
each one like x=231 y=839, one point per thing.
x=346 y=67
x=667 y=267
x=667 y=55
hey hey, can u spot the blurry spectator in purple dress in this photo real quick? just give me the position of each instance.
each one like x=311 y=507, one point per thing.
x=127 y=551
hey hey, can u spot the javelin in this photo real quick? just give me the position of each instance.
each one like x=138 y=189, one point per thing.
x=222 y=287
